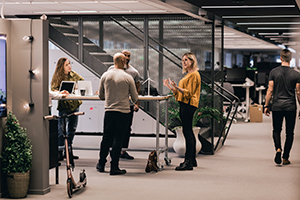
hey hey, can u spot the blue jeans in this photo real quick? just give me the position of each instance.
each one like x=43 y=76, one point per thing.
x=71 y=125
x=290 y=119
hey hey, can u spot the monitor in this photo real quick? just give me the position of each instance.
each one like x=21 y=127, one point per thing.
x=87 y=86
x=261 y=78
x=3 y=83
x=68 y=86
x=236 y=75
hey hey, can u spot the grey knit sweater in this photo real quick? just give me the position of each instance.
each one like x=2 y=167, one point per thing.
x=115 y=88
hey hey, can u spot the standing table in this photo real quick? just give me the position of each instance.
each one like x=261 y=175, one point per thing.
x=144 y=98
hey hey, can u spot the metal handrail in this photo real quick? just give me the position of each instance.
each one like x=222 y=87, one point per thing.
x=143 y=40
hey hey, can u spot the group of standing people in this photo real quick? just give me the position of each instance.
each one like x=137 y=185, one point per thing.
x=122 y=81
x=116 y=85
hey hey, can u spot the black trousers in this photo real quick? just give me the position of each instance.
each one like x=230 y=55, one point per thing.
x=128 y=130
x=290 y=119
x=115 y=125
x=186 y=115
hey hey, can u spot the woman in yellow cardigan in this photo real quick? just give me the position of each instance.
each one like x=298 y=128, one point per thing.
x=187 y=93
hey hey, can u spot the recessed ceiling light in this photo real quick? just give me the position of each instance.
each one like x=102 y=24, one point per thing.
x=266 y=23
x=245 y=6
x=271 y=28
x=260 y=16
x=268 y=33
x=118 y=2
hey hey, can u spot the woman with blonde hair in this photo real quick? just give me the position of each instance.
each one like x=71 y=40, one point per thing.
x=187 y=93
x=63 y=72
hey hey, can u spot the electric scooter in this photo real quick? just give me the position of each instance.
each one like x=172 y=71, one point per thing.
x=72 y=186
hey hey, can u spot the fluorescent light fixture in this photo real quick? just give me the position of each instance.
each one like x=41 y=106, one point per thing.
x=152 y=11
x=271 y=28
x=292 y=33
x=41 y=3
x=260 y=16
x=116 y=11
x=79 y=2
x=268 y=33
x=292 y=50
x=266 y=23
x=245 y=6
x=87 y=11
x=281 y=46
x=118 y=2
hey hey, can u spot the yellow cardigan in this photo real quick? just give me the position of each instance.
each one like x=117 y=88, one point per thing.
x=191 y=85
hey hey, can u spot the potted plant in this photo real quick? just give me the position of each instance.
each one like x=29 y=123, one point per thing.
x=16 y=157
x=202 y=113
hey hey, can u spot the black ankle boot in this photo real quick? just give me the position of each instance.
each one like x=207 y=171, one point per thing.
x=186 y=165
x=194 y=163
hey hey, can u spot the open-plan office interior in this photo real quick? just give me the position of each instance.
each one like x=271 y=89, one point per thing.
x=236 y=44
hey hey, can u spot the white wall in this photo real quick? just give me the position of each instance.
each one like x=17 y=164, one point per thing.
x=92 y=121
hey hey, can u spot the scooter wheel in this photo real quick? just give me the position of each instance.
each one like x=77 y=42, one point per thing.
x=82 y=176
x=70 y=187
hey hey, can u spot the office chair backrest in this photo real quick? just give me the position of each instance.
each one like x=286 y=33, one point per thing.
x=230 y=89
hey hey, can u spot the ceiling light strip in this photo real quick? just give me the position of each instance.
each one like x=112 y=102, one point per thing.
x=268 y=33
x=245 y=6
x=79 y=2
x=272 y=28
x=110 y=2
x=261 y=16
x=266 y=23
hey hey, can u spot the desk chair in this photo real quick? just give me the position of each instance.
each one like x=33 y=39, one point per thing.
x=229 y=93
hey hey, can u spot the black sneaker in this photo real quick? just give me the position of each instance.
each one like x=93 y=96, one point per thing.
x=286 y=161
x=277 y=158
x=125 y=155
x=117 y=172
x=100 y=168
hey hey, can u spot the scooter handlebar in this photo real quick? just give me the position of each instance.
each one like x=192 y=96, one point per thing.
x=49 y=117
x=79 y=113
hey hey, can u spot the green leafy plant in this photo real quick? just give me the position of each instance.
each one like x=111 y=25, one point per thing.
x=17 y=151
x=202 y=112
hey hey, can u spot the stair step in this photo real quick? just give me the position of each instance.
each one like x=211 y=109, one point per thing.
x=108 y=63
x=61 y=25
x=99 y=53
x=89 y=44
x=71 y=35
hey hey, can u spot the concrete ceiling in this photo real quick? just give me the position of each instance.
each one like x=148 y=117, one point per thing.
x=233 y=39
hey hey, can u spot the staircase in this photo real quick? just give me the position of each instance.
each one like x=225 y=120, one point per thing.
x=67 y=37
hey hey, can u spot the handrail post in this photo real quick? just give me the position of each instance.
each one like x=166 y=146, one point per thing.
x=80 y=39
x=160 y=56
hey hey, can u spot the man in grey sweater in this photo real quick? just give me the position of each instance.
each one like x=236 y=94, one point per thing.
x=115 y=88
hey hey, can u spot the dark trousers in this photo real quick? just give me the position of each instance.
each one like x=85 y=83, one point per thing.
x=290 y=119
x=128 y=131
x=115 y=125
x=186 y=115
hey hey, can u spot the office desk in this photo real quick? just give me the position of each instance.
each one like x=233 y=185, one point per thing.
x=143 y=98
x=246 y=86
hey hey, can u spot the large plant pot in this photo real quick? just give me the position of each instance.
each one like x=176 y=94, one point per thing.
x=17 y=184
x=179 y=144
